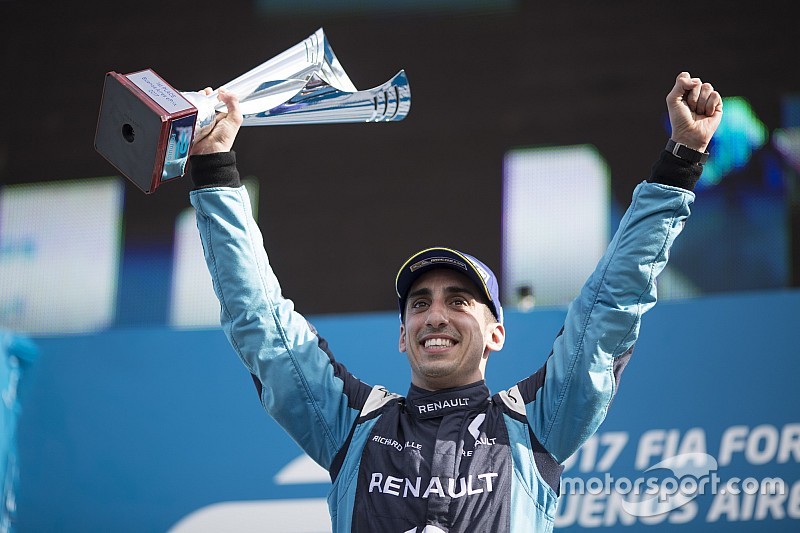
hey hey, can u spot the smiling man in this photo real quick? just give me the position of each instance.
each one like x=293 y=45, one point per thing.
x=448 y=456
x=450 y=320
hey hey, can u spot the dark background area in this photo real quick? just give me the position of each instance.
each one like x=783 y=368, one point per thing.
x=341 y=206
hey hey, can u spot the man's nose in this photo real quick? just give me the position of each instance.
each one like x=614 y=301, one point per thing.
x=437 y=315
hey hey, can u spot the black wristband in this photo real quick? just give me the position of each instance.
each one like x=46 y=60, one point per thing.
x=684 y=152
x=214 y=170
x=674 y=171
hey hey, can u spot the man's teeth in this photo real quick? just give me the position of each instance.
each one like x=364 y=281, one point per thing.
x=445 y=343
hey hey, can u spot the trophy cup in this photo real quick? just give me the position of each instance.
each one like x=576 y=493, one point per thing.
x=146 y=128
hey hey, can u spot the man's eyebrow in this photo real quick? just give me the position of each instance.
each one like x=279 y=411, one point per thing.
x=457 y=289
x=452 y=289
x=419 y=292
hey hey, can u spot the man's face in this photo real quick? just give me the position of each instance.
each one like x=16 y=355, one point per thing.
x=448 y=331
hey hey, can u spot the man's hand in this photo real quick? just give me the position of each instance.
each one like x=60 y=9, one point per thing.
x=221 y=137
x=695 y=111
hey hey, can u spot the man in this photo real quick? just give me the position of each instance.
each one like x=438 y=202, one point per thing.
x=449 y=456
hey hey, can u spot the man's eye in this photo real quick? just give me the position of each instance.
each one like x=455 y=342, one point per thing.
x=459 y=301
x=418 y=304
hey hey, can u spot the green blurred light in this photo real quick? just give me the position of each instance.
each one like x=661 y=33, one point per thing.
x=740 y=134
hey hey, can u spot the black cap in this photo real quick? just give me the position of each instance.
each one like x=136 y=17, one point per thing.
x=439 y=257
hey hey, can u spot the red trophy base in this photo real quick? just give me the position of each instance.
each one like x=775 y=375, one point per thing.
x=145 y=128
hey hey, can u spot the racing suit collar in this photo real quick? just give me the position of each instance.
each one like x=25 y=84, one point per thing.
x=431 y=404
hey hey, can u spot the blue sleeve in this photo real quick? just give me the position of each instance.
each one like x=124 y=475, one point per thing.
x=567 y=399
x=303 y=388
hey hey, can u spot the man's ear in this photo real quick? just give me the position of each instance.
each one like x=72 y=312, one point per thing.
x=401 y=345
x=496 y=337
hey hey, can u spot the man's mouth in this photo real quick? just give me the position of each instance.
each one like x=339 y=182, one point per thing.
x=438 y=342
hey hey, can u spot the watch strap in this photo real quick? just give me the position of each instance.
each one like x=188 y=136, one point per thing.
x=684 y=152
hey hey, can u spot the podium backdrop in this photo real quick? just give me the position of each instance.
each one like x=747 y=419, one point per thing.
x=152 y=430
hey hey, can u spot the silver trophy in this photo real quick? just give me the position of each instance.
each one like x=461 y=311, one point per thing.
x=146 y=127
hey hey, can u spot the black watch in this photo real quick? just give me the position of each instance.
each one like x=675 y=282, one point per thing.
x=686 y=153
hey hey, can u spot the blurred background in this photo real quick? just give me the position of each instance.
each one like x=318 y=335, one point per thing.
x=530 y=125
x=489 y=79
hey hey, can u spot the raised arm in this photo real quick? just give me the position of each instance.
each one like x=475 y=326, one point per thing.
x=567 y=399
x=309 y=394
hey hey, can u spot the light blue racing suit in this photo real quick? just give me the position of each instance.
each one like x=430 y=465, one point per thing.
x=456 y=460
